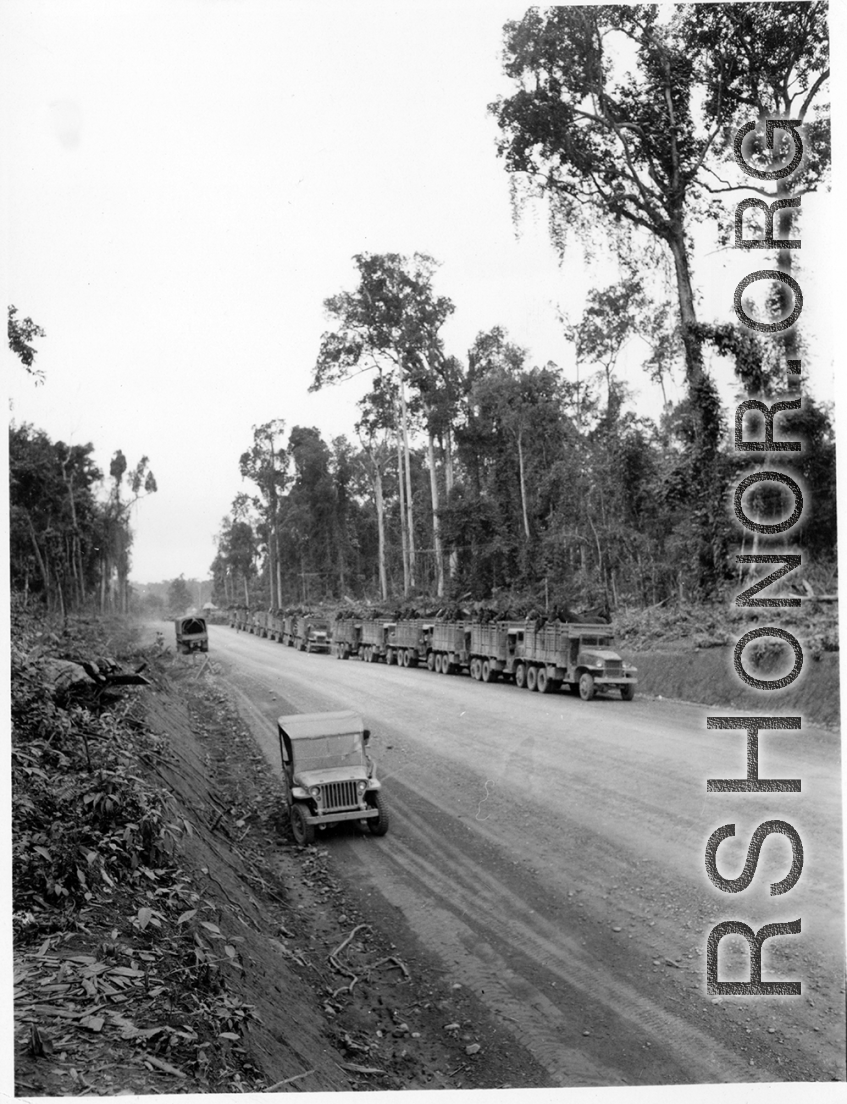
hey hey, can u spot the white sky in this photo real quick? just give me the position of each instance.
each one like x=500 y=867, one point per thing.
x=189 y=180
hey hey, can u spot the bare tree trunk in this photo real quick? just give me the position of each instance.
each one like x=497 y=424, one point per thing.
x=523 y=488
x=448 y=481
x=409 y=511
x=687 y=312
x=61 y=598
x=39 y=560
x=436 y=523
x=403 y=537
x=380 y=522
x=76 y=544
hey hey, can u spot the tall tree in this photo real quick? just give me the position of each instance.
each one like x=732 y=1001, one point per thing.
x=609 y=320
x=773 y=61
x=62 y=534
x=117 y=537
x=636 y=150
x=22 y=332
x=265 y=463
x=391 y=323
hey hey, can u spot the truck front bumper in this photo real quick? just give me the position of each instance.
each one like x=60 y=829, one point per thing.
x=334 y=818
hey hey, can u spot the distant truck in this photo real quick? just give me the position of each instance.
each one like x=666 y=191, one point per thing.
x=311 y=633
x=346 y=637
x=577 y=656
x=409 y=642
x=374 y=637
x=191 y=635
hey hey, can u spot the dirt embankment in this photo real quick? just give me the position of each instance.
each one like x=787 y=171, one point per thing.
x=305 y=985
x=687 y=653
x=706 y=675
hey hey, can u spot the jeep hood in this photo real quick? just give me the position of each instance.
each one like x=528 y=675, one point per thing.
x=308 y=778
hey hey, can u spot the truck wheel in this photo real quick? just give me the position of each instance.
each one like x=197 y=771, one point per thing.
x=532 y=678
x=520 y=676
x=302 y=831
x=476 y=671
x=586 y=686
x=542 y=682
x=430 y=660
x=628 y=691
x=436 y=663
x=407 y=658
x=445 y=664
x=486 y=671
x=378 y=825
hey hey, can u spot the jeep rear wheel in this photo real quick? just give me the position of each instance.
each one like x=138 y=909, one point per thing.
x=302 y=831
x=378 y=825
x=586 y=686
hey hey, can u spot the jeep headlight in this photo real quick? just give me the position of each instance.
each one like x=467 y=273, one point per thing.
x=362 y=787
x=315 y=791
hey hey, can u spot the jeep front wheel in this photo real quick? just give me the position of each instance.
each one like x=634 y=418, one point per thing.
x=303 y=831
x=378 y=824
x=586 y=686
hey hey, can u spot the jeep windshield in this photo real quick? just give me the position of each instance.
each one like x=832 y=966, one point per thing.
x=325 y=752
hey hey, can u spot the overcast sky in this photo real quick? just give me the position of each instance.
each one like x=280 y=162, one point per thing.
x=189 y=180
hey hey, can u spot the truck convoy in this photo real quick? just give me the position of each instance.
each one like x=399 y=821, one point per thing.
x=535 y=654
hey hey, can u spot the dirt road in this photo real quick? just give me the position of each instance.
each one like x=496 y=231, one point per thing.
x=550 y=853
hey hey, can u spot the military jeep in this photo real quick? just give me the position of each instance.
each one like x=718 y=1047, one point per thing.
x=327 y=775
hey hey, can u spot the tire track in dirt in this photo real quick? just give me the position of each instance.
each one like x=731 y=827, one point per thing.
x=496 y=943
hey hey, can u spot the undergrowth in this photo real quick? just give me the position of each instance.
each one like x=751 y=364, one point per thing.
x=96 y=859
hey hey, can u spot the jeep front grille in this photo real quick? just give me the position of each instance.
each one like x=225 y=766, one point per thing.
x=339 y=795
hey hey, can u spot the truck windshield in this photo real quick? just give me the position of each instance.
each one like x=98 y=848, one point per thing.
x=324 y=752
x=596 y=642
